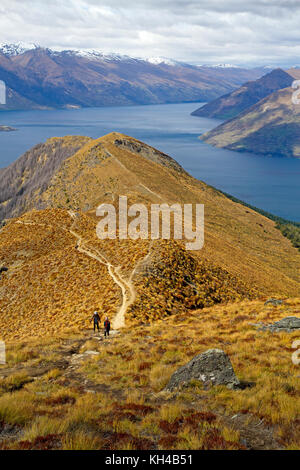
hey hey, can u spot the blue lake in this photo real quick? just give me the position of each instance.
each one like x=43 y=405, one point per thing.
x=272 y=184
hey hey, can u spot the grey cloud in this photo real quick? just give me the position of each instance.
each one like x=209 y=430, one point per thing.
x=199 y=31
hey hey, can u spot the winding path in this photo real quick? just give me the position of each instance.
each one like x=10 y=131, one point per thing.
x=126 y=285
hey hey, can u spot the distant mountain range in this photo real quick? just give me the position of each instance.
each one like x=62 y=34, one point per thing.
x=231 y=104
x=38 y=78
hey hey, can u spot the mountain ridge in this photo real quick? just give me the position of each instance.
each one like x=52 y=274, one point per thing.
x=269 y=127
x=230 y=105
x=42 y=78
x=51 y=248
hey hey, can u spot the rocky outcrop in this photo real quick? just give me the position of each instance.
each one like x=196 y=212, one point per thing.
x=211 y=367
x=274 y=302
x=149 y=153
x=288 y=325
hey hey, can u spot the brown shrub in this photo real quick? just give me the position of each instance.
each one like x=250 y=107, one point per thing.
x=60 y=400
x=170 y=428
x=213 y=440
x=145 y=365
x=141 y=410
x=119 y=440
x=192 y=420
x=168 y=441
x=49 y=442
x=119 y=416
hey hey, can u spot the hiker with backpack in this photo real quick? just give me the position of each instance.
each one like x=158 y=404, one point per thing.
x=96 y=320
x=106 y=326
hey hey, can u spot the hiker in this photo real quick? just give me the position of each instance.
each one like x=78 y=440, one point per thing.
x=96 y=320
x=106 y=326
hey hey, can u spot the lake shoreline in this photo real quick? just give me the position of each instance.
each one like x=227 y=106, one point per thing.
x=271 y=184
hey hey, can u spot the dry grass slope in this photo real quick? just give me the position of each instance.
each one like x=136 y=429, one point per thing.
x=235 y=237
x=128 y=408
x=22 y=183
x=53 y=285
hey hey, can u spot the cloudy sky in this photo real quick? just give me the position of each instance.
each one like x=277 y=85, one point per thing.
x=252 y=32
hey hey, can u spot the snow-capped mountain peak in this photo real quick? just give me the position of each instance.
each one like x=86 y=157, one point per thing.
x=19 y=48
x=98 y=55
x=161 y=60
x=220 y=66
x=16 y=49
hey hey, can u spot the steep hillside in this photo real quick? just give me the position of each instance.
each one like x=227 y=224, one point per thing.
x=232 y=104
x=295 y=73
x=59 y=271
x=271 y=127
x=45 y=78
x=23 y=181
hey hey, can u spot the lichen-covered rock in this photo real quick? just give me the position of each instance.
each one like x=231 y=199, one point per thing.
x=274 y=302
x=212 y=366
x=288 y=325
x=288 y=322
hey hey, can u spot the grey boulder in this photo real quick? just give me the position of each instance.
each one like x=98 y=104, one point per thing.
x=287 y=324
x=274 y=302
x=211 y=367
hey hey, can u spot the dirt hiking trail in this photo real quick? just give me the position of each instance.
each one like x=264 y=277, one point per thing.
x=128 y=291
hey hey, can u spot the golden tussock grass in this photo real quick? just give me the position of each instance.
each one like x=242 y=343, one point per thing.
x=133 y=411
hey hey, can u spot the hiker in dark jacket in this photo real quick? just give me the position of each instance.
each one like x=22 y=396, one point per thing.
x=96 y=320
x=106 y=326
